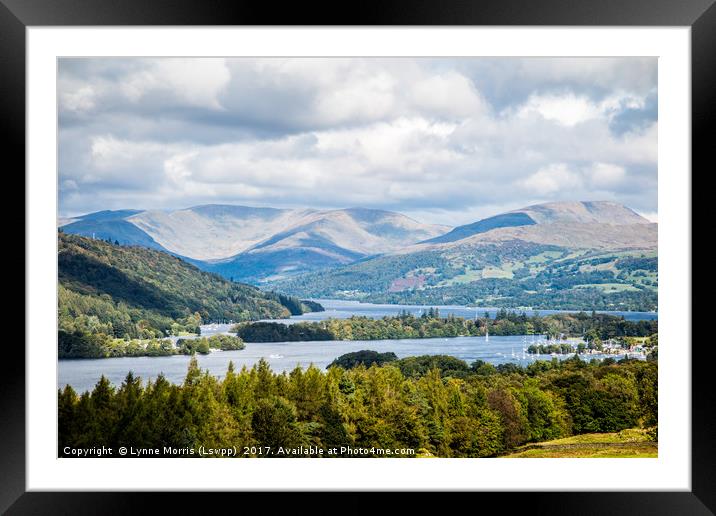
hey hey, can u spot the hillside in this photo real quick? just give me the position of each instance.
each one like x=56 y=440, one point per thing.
x=138 y=292
x=591 y=255
x=632 y=443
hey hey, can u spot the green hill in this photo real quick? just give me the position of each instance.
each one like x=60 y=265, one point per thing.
x=513 y=273
x=136 y=292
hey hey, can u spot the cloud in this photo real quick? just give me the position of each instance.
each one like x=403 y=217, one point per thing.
x=605 y=175
x=566 y=110
x=444 y=140
x=192 y=82
x=552 y=178
x=559 y=177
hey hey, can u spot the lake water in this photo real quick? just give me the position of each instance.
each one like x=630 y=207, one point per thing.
x=83 y=374
x=339 y=309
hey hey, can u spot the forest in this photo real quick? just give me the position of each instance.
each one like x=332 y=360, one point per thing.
x=100 y=345
x=436 y=406
x=118 y=300
x=431 y=325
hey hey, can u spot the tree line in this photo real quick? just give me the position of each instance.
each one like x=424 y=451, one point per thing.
x=437 y=406
x=100 y=345
x=431 y=325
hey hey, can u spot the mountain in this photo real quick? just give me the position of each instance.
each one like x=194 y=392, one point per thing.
x=325 y=239
x=133 y=291
x=109 y=225
x=575 y=255
x=594 y=212
x=592 y=254
x=256 y=244
x=212 y=232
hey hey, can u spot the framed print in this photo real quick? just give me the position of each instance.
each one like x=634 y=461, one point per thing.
x=440 y=239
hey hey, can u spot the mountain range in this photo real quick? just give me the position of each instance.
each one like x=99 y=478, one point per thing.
x=258 y=244
x=595 y=254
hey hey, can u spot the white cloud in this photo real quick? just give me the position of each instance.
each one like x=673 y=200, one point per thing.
x=605 y=175
x=552 y=178
x=450 y=94
x=193 y=81
x=79 y=98
x=567 y=109
x=414 y=135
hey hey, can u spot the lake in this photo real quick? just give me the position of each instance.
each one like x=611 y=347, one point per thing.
x=83 y=374
x=339 y=309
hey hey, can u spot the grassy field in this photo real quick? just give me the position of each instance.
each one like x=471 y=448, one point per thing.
x=498 y=272
x=632 y=443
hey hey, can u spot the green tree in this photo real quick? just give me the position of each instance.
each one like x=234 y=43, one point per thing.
x=274 y=424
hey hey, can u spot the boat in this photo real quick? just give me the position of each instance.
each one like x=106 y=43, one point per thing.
x=275 y=356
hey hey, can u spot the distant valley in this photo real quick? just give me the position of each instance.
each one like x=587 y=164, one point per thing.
x=587 y=255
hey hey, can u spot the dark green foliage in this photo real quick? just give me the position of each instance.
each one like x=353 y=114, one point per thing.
x=99 y=345
x=274 y=424
x=364 y=357
x=547 y=349
x=79 y=344
x=156 y=283
x=434 y=405
x=419 y=366
x=109 y=294
x=431 y=325
x=637 y=264
x=294 y=305
x=203 y=345
x=277 y=332
x=312 y=306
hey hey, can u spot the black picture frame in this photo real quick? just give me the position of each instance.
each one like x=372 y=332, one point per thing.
x=700 y=15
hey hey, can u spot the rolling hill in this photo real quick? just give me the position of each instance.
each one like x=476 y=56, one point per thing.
x=133 y=291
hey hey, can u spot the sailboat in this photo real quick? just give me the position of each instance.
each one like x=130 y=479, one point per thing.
x=487 y=334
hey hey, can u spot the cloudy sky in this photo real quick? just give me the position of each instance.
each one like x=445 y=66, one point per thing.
x=443 y=140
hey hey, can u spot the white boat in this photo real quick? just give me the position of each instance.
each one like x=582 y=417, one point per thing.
x=275 y=356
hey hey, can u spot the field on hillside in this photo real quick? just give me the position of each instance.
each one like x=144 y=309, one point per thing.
x=512 y=275
x=632 y=443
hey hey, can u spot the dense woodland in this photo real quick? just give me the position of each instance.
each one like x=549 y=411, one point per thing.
x=120 y=300
x=430 y=324
x=437 y=406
